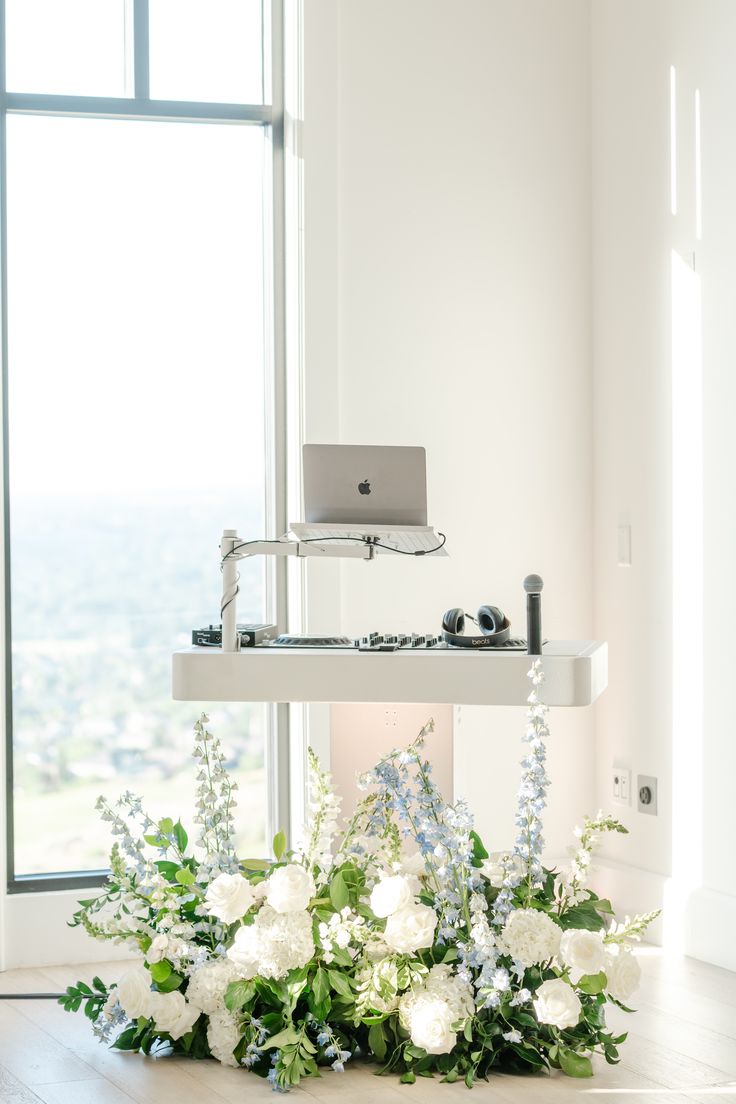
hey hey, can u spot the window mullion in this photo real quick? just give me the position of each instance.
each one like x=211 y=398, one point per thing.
x=141 y=53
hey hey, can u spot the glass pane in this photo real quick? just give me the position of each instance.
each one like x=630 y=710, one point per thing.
x=136 y=435
x=207 y=50
x=71 y=47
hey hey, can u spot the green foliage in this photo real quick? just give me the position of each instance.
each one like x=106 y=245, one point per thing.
x=93 y=998
x=279 y=845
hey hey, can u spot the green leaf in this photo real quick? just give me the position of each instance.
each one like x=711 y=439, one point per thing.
x=320 y=986
x=582 y=916
x=166 y=826
x=575 y=1065
x=376 y=1041
x=185 y=877
x=602 y=904
x=126 y=1040
x=238 y=994
x=408 y=1078
x=592 y=983
x=339 y=893
x=160 y=971
x=173 y=981
x=284 y=1038
x=479 y=851
x=182 y=839
x=340 y=984
x=155 y=841
x=168 y=869
x=279 y=845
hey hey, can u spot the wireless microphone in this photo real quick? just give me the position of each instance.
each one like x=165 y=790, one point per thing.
x=533 y=586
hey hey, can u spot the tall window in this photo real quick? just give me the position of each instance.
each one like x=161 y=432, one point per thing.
x=137 y=156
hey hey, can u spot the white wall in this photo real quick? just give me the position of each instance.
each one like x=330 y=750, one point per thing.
x=688 y=847
x=461 y=188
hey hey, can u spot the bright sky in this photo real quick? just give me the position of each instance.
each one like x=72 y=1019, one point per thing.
x=135 y=258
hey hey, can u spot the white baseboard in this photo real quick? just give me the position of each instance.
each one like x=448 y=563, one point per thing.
x=701 y=926
x=710 y=923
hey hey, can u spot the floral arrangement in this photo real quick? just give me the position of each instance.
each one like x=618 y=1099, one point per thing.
x=396 y=938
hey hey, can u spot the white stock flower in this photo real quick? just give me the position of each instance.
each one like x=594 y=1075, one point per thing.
x=134 y=993
x=499 y=865
x=223 y=1035
x=391 y=894
x=157 y=951
x=557 y=1003
x=229 y=897
x=290 y=888
x=208 y=985
x=173 y=1014
x=583 y=951
x=530 y=936
x=411 y=929
x=623 y=974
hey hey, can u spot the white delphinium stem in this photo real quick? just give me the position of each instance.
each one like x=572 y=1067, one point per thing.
x=534 y=783
x=630 y=929
x=215 y=804
x=324 y=807
x=570 y=886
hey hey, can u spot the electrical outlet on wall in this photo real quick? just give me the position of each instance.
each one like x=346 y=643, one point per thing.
x=621 y=784
x=646 y=785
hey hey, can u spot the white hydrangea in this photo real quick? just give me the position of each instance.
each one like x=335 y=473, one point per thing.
x=208 y=985
x=530 y=937
x=223 y=1035
x=273 y=944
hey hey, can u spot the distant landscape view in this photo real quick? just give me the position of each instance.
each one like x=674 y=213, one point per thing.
x=103 y=592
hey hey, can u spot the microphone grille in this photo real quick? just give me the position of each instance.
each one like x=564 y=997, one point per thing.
x=533 y=584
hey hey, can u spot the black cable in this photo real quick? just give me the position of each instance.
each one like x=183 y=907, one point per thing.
x=31 y=996
x=377 y=544
x=368 y=541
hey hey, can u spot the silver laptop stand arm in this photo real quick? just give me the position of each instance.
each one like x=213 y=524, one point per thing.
x=233 y=549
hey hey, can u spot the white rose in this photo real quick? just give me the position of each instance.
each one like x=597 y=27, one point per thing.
x=229 y=897
x=414 y=864
x=391 y=894
x=623 y=973
x=411 y=929
x=499 y=865
x=134 y=993
x=173 y=1014
x=582 y=951
x=245 y=951
x=290 y=888
x=431 y=1025
x=557 y=1003
x=530 y=936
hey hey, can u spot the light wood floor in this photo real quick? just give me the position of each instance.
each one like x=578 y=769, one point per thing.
x=681 y=1047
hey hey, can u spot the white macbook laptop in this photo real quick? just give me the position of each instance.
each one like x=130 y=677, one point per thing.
x=365 y=484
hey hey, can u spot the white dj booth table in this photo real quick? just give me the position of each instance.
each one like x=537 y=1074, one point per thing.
x=576 y=673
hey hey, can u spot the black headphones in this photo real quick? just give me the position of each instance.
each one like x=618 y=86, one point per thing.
x=492 y=622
